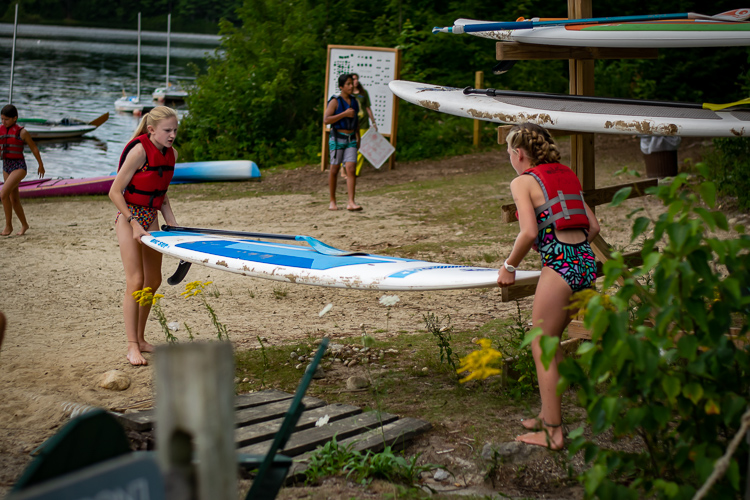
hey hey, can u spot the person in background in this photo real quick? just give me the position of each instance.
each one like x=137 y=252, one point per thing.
x=555 y=221
x=12 y=139
x=341 y=114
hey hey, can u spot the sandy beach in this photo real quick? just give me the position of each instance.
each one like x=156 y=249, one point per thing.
x=63 y=284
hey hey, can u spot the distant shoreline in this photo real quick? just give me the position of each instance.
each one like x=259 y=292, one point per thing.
x=82 y=33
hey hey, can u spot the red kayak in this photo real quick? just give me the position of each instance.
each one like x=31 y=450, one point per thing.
x=39 y=188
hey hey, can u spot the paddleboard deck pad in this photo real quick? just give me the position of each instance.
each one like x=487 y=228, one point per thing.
x=578 y=115
x=303 y=265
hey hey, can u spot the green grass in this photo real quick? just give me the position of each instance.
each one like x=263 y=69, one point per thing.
x=402 y=387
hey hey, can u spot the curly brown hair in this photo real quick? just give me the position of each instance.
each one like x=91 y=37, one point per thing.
x=535 y=141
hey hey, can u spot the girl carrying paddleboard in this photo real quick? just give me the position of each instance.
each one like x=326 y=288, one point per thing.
x=555 y=221
x=139 y=191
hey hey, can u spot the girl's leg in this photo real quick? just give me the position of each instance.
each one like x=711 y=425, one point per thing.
x=15 y=198
x=351 y=184
x=152 y=279
x=12 y=180
x=549 y=313
x=332 y=180
x=132 y=261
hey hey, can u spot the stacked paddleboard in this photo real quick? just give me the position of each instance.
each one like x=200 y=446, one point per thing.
x=578 y=113
x=683 y=30
x=590 y=114
x=669 y=33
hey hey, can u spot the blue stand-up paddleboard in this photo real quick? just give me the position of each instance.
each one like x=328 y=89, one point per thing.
x=319 y=264
x=216 y=171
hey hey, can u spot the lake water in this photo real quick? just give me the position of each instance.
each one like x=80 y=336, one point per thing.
x=80 y=72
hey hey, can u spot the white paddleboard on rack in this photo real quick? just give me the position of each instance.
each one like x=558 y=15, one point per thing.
x=304 y=265
x=576 y=113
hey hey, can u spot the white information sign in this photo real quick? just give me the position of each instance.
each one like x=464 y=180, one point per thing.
x=376 y=68
x=375 y=148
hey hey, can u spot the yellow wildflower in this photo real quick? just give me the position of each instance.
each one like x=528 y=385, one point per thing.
x=144 y=297
x=194 y=288
x=478 y=363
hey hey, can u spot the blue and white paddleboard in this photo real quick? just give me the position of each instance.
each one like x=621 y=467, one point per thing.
x=216 y=171
x=304 y=265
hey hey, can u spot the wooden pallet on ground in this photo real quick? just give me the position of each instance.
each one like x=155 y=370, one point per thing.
x=258 y=417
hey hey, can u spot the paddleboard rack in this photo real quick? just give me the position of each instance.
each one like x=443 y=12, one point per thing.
x=581 y=87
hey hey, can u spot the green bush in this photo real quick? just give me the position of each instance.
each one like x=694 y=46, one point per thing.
x=661 y=366
x=729 y=167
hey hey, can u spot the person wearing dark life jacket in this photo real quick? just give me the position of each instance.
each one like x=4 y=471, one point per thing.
x=555 y=221
x=12 y=139
x=139 y=191
x=341 y=114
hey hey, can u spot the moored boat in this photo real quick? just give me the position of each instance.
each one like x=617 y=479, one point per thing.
x=40 y=128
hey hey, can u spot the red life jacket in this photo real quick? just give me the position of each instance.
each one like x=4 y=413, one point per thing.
x=564 y=196
x=150 y=182
x=11 y=142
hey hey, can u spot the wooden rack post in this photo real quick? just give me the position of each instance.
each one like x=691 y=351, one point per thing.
x=581 y=65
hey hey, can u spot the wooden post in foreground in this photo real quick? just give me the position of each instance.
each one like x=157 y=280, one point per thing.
x=478 y=84
x=195 y=420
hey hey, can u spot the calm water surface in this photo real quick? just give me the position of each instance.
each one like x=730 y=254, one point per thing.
x=80 y=72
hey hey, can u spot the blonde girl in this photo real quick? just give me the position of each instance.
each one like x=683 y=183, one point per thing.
x=139 y=191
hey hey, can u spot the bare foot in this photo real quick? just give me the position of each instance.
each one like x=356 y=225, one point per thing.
x=353 y=208
x=23 y=230
x=134 y=355
x=532 y=424
x=549 y=437
x=7 y=231
x=333 y=206
x=146 y=347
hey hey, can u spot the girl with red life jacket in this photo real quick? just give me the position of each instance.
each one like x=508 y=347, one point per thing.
x=555 y=221
x=12 y=139
x=139 y=191
x=341 y=115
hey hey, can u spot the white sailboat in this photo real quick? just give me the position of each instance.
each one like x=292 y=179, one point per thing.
x=132 y=103
x=169 y=92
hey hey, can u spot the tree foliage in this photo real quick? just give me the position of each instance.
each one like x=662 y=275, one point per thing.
x=263 y=97
x=662 y=365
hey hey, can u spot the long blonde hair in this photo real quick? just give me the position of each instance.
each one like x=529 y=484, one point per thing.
x=152 y=118
x=536 y=141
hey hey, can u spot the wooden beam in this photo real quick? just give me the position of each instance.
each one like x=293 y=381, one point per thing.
x=478 y=84
x=515 y=51
x=593 y=197
x=514 y=292
x=601 y=196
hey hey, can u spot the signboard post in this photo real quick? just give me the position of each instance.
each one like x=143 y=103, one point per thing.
x=376 y=68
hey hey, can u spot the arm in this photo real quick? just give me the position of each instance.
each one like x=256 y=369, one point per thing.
x=372 y=118
x=593 y=223
x=520 y=188
x=329 y=118
x=135 y=159
x=166 y=207
x=34 y=150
